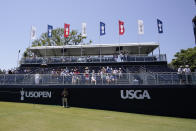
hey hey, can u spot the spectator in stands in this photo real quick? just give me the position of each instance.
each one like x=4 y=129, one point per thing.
x=88 y=59
x=103 y=74
x=37 y=78
x=121 y=57
x=115 y=72
x=108 y=69
x=65 y=95
x=112 y=80
x=86 y=74
x=62 y=73
x=120 y=73
x=126 y=56
x=66 y=70
x=77 y=74
x=93 y=78
x=115 y=57
x=187 y=73
x=73 y=77
x=107 y=78
x=180 y=73
x=53 y=72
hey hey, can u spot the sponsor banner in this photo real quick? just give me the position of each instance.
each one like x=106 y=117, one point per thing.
x=35 y=94
x=166 y=100
x=134 y=94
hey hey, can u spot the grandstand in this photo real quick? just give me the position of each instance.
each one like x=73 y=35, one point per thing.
x=125 y=71
x=114 y=64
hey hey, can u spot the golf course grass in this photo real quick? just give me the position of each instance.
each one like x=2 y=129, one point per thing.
x=33 y=117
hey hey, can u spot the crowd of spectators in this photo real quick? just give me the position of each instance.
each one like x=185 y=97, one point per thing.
x=86 y=74
x=184 y=74
x=11 y=71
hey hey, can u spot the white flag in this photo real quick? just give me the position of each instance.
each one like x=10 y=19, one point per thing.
x=84 y=30
x=140 y=27
x=33 y=33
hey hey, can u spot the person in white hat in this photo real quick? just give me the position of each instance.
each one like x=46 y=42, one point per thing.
x=180 y=72
x=187 y=72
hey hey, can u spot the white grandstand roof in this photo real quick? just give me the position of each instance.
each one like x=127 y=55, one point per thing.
x=95 y=49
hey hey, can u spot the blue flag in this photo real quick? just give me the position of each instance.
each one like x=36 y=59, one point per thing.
x=102 y=28
x=160 y=26
x=50 y=28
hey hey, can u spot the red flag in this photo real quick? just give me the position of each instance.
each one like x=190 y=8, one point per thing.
x=121 y=28
x=66 y=30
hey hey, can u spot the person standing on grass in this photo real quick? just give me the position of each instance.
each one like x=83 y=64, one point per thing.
x=64 y=95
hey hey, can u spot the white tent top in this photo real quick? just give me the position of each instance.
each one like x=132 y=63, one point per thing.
x=94 y=49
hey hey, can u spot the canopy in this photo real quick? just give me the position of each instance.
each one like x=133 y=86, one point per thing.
x=95 y=49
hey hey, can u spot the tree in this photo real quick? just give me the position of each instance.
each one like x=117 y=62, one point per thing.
x=58 y=38
x=185 y=57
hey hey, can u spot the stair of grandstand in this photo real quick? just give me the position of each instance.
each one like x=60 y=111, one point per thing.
x=123 y=80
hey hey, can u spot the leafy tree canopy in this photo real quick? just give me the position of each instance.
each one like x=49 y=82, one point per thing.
x=185 y=57
x=58 y=38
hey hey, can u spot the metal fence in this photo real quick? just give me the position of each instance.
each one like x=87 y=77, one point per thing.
x=98 y=79
x=92 y=59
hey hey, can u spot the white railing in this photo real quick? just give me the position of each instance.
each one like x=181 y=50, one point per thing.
x=92 y=59
x=98 y=79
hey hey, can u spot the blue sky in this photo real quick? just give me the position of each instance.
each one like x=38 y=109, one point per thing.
x=17 y=17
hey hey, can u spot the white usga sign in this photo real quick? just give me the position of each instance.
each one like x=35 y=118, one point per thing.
x=35 y=94
x=135 y=94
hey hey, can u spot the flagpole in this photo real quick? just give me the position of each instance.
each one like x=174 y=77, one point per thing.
x=160 y=30
x=64 y=41
x=81 y=47
x=18 y=58
x=99 y=32
x=30 y=41
x=45 y=48
x=119 y=45
x=159 y=46
x=99 y=43
x=138 y=38
x=100 y=40
x=63 y=49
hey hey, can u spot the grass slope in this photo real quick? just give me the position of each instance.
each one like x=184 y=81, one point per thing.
x=29 y=117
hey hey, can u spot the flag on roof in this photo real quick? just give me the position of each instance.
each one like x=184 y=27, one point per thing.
x=121 y=27
x=33 y=33
x=84 y=34
x=102 y=28
x=140 y=27
x=66 y=30
x=160 y=26
x=50 y=28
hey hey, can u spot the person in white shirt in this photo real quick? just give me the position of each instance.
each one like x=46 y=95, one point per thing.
x=180 y=73
x=93 y=77
x=187 y=72
x=37 y=77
